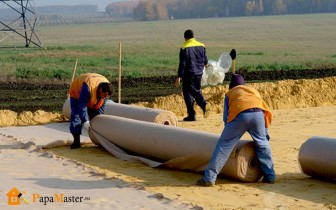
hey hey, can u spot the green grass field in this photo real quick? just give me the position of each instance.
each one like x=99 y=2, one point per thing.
x=151 y=48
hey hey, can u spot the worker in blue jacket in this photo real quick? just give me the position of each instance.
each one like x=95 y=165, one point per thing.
x=193 y=59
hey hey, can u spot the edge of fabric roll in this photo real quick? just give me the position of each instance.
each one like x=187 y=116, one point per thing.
x=317 y=157
x=153 y=140
x=243 y=163
x=146 y=114
x=174 y=147
x=157 y=116
x=166 y=118
x=118 y=152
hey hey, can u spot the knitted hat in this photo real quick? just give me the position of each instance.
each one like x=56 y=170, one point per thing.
x=236 y=79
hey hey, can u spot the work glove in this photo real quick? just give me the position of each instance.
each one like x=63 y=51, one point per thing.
x=86 y=125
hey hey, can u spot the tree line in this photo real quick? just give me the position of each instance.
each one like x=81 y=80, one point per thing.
x=145 y=10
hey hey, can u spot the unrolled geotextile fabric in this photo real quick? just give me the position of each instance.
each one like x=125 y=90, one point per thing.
x=168 y=146
x=317 y=157
x=158 y=116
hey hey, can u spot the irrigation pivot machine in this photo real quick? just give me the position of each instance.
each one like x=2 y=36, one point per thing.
x=18 y=18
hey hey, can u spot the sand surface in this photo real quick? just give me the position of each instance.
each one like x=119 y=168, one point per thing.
x=301 y=108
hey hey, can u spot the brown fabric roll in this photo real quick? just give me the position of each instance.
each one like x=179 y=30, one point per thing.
x=169 y=146
x=158 y=116
x=317 y=157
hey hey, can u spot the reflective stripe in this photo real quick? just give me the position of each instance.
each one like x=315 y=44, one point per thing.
x=192 y=43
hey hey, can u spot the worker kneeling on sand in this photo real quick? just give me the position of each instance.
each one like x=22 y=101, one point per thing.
x=88 y=94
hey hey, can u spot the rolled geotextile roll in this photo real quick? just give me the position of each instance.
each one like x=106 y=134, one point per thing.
x=171 y=147
x=141 y=113
x=317 y=157
x=133 y=112
x=245 y=158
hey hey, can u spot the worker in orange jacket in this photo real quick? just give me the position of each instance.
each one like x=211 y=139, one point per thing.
x=88 y=95
x=244 y=111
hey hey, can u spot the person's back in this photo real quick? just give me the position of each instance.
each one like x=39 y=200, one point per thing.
x=91 y=79
x=192 y=58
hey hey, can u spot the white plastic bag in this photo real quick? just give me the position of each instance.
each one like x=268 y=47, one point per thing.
x=224 y=62
x=214 y=73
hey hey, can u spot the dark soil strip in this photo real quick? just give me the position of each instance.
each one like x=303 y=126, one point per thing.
x=27 y=96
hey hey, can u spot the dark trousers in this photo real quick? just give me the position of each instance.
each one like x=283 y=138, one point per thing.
x=76 y=121
x=191 y=89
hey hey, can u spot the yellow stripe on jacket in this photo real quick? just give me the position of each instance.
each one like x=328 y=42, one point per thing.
x=92 y=80
x=192 y=43
x=243 y=97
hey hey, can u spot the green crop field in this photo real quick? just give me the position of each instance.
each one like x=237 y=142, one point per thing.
x=38 y=78
x=151 y=48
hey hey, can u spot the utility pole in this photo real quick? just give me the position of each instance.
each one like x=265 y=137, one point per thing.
x=21 y=21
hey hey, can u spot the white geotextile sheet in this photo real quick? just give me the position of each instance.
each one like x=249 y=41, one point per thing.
x=46 y=136
x=153 y=144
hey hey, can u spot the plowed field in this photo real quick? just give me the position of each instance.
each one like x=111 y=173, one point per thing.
x=32 y=96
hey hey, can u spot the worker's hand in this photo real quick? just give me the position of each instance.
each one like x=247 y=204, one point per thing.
x=177 y=81
x=86 y=125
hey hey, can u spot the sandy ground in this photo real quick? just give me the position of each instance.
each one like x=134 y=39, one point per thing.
x=301 y=108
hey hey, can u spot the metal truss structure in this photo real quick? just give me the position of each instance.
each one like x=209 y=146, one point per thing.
x=21 y=22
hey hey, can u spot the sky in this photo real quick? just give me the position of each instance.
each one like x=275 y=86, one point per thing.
x=101 y=3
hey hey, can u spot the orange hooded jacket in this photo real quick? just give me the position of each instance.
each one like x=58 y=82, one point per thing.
x=92 y=80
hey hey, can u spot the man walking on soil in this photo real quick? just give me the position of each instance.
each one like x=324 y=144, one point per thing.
x=88 y=94
x=193 y=58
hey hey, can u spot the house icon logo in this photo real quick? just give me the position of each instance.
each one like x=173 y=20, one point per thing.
x=14 y=197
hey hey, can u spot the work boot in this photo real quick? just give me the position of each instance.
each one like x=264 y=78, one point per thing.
x=189 y=118
x=203 y=183
x=268 y=181
x=76 y=143
x=205 y=111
